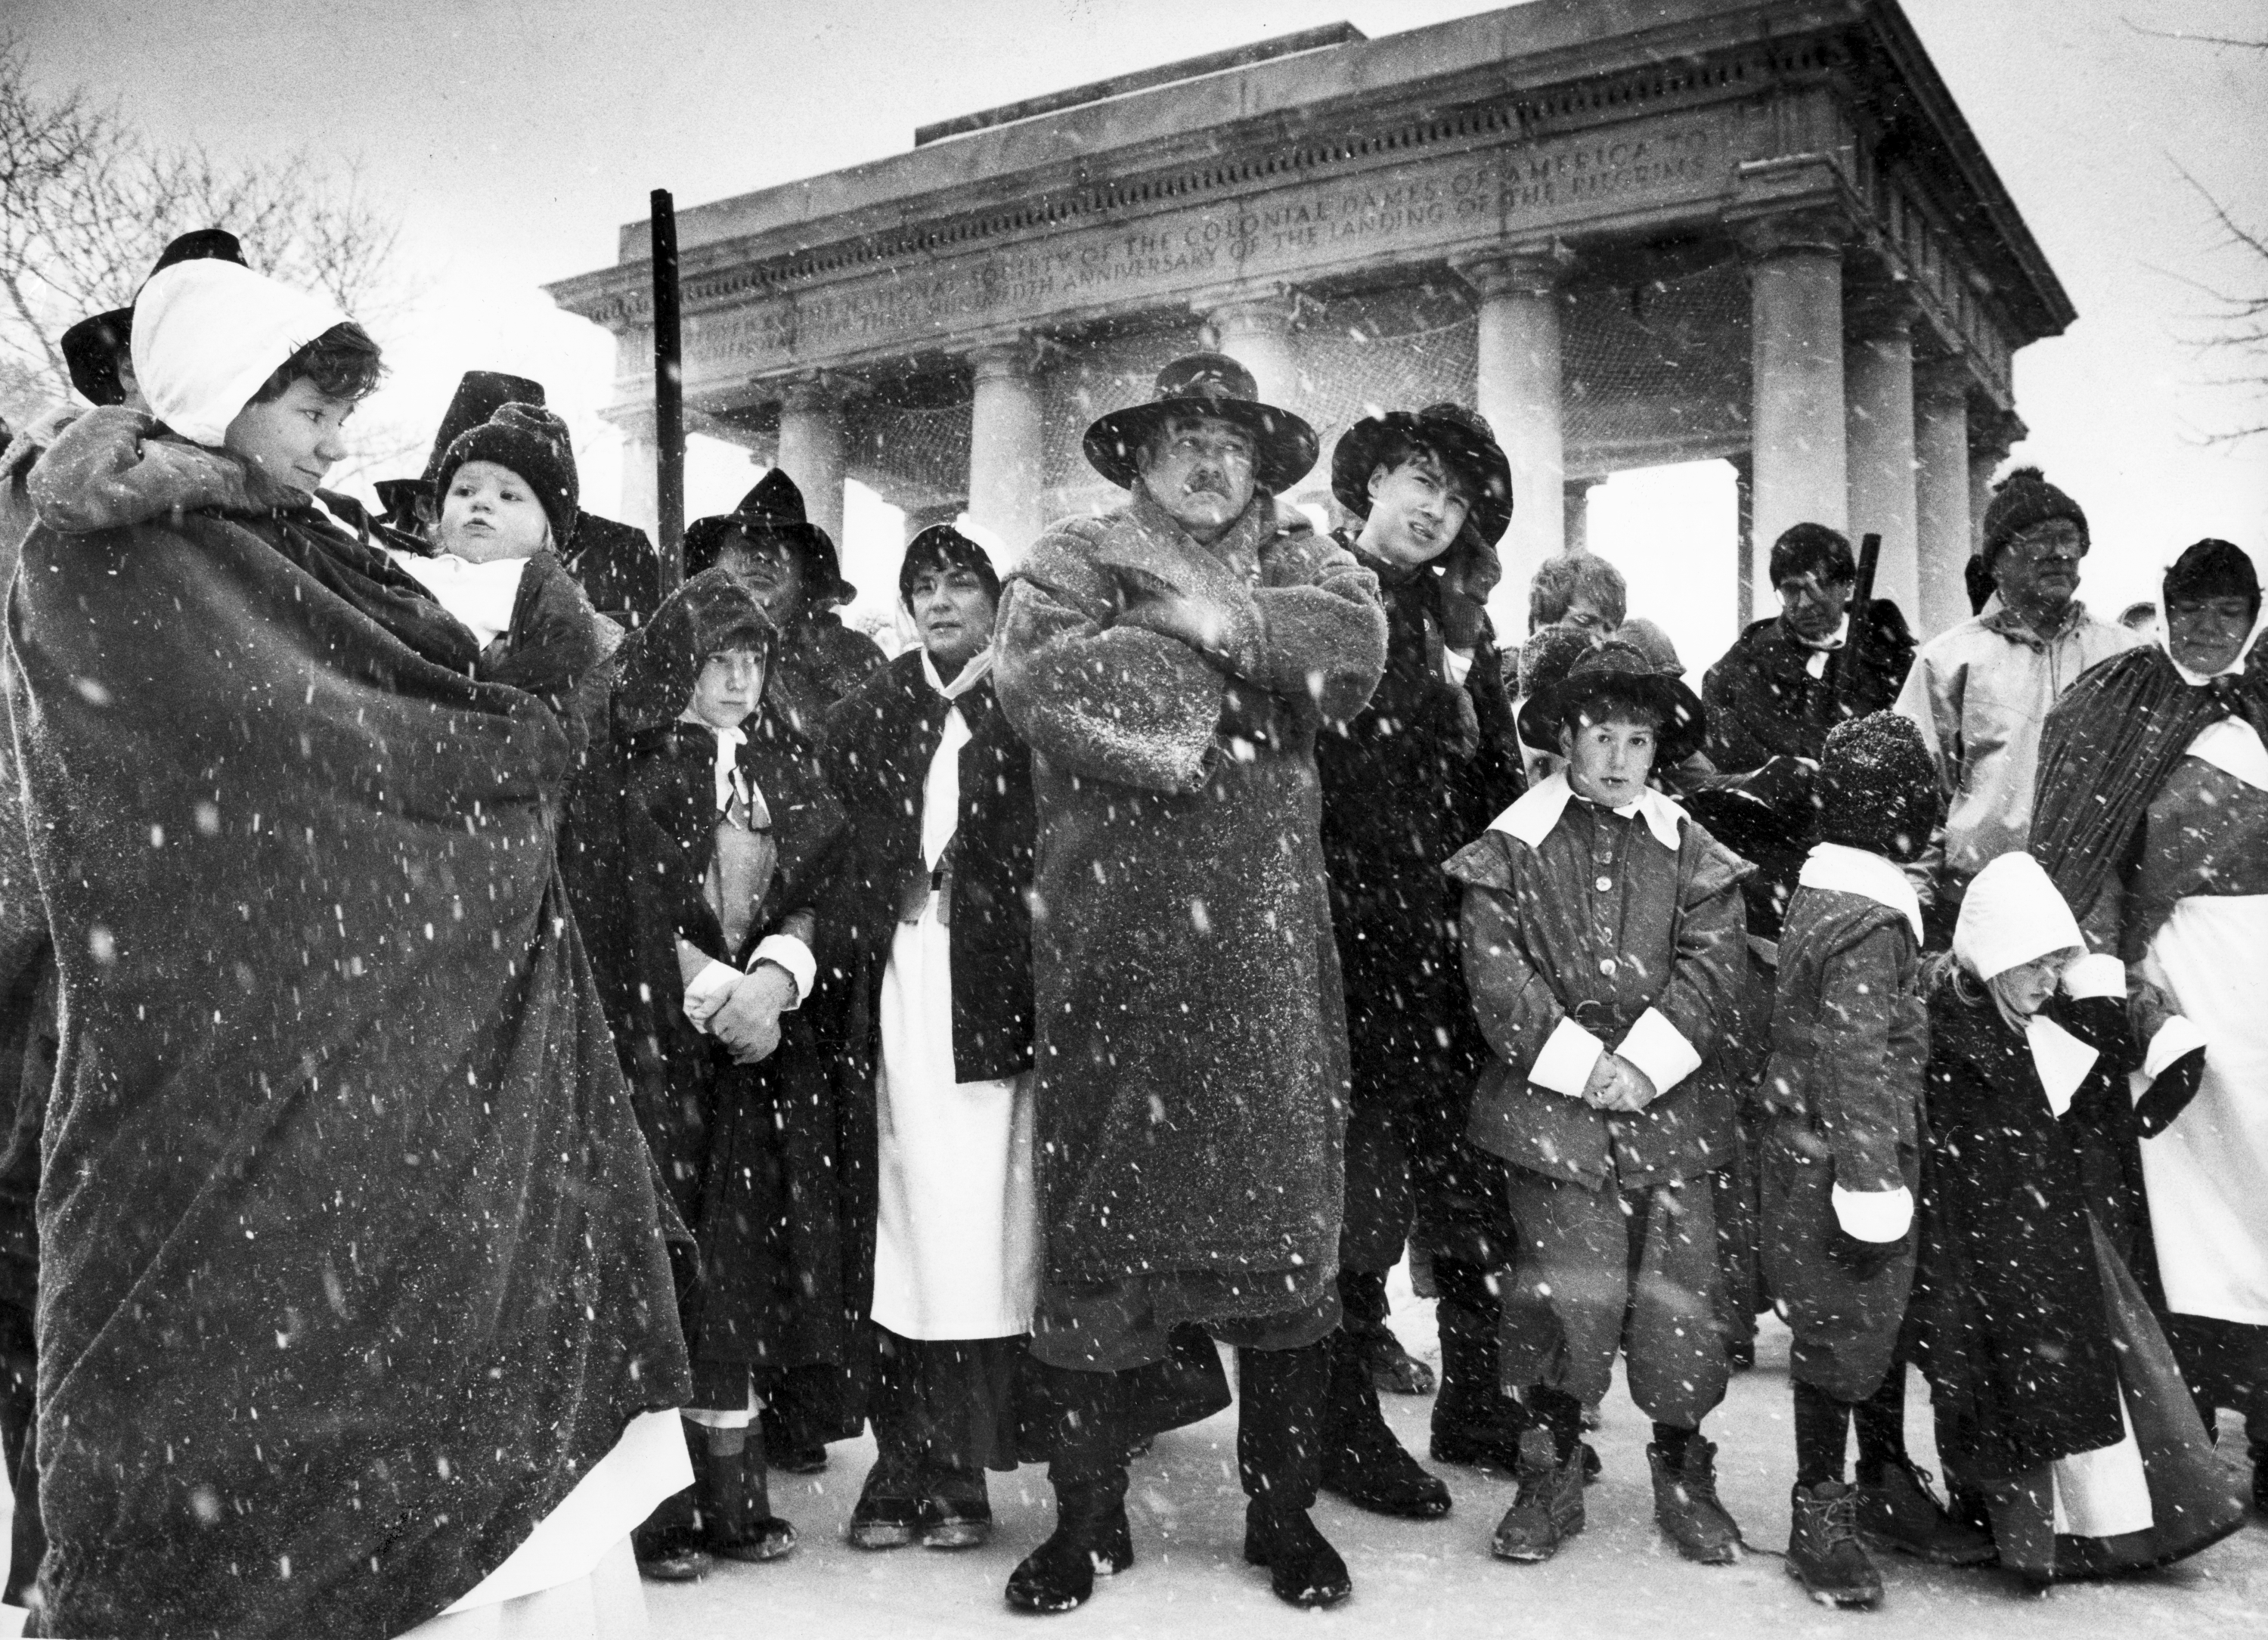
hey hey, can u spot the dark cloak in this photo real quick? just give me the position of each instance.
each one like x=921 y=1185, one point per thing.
x=353 y=1263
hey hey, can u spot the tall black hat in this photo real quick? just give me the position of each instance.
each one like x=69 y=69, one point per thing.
x=774 y=507
x=1462 y=438
x=92 y=346
x=480 y=394
x=1206 y=384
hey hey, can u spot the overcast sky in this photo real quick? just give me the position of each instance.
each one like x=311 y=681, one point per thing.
x=515 y=137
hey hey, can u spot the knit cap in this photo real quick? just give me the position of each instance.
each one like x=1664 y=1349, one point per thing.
x=531 y=441
x=1877 y=787
x=2021 y=500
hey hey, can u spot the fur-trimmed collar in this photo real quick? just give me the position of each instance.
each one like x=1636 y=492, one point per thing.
x=116 y=467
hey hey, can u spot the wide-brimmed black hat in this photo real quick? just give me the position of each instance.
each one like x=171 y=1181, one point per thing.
x=774 y=507
x=480 y=394
x=1616 y=669
x=1462 y=438
x=92 y=346
x=1206 y=384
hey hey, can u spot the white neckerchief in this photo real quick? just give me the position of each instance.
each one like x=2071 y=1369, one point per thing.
x=2233 y=746
x=479 y=596
x=941 y=786
x=1854 y=871
x=730 y=780
x=1531 y=818
x=2061 y=1059
x=1815 y=662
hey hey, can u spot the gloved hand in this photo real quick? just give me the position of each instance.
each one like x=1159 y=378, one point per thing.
x=1863 y=1260
x=2169 y=1094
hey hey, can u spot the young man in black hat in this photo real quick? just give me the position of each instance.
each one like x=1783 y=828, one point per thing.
x=613 y=563
x=770 y=546
x=1603 y=945
x=1406 y=782
x=1170 y=665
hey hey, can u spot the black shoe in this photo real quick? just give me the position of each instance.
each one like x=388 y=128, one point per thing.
x=1823 y=1550
x=960 y=1514
x=784 y=1453
x=1547 y=1510
x=1392 y=1367
x=1091 y=1540
x=733 y=1493
x=670 y=1555
x=1303 y=1569
x=1362 y=1461
x=892 y=1509
x=1685 y=1505
x=1897 y=1511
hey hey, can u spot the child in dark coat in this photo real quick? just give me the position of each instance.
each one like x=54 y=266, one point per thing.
x=1604 y=950
x=1841 y=1159
x=730 y=836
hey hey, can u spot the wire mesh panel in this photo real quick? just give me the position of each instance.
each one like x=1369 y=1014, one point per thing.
x=1656 y=372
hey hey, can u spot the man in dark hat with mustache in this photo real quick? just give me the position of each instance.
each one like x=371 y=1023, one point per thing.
x=613 y=563
x=1170 y=665
x=1407 y=781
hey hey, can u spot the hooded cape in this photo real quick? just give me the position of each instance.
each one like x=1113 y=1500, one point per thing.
x=352 y=1259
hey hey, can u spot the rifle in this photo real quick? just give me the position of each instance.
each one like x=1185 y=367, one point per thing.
x=668 y=397
x=1844 y=669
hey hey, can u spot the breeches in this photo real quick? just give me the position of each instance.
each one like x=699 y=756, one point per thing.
x=1846 y=1326
x=1607 y=1268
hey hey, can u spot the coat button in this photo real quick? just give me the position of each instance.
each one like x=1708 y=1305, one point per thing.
x=1607 y=966
x=1603 y=885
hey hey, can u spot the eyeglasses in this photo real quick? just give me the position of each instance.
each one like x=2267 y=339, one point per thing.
x=2057 y=539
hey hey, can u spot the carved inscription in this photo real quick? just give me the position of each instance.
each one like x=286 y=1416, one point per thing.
x=1425 y=207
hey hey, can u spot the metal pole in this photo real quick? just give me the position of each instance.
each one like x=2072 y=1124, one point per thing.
x=668 y=395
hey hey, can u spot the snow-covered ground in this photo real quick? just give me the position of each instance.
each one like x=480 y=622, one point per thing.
x=1436 y=1578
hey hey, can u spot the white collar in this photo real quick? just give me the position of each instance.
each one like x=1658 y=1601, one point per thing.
x=1835 y=639
x=2061 y=1059
x=1848 y=871
x=730 y=782
x=2233 y=746
x=973 y=671
x=1532 y=818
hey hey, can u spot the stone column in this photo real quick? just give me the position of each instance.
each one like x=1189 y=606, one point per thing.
x=1878 y=373
x=1796 y=423
x=1941 y=506
x=1520 y=391
x=639 y=502
x=1005 y=451
x=1744 y=550
x=1576 y=501
x=1256 y=333
x=811 y=450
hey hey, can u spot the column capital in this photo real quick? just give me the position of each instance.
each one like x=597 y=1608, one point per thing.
x=1793 y=234
x=1534 y=268
x=813 y=390
x=1264 y=313
x=1942 y=381
x=1014 y=357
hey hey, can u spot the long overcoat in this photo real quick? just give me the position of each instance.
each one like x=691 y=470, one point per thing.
x=1191 y=1043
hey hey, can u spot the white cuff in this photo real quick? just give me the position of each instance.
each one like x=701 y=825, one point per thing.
x=1875 y=1216
x=1569 y=1056
x=1455 y=664
x=706 y=992
x=2097 y=975
x=2176 y=1037
x=1660 y=1049
x=792 y=955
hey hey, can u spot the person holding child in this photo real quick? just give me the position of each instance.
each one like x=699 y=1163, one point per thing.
x=1603 y=933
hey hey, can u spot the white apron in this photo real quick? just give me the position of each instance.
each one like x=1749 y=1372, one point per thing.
x=2207 y=1175
x=956 y=1242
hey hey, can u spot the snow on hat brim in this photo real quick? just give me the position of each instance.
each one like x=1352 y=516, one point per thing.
x=1214 y=386
x=208 y=334
x=2010 y=915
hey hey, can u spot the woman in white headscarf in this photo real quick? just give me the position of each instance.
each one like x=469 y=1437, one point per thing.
x=2062 y=1421
x=2153 y=816
x=355 y=1317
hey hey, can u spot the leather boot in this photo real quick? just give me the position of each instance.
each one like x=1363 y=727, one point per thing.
x=1547 y=1509
x=1082 y=1415
x=1279 y=1458
x=1474 y=1420
x=892 y=1506
x=669 y=1544
x=1897 y=1511
x=1364 y=1312
x=1362 y=1461
x=732 y=1491
x=1685 y=1505
x=1823 y=1550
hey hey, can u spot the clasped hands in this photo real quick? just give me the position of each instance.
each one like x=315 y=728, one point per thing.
x=742 y=1012
x=1616 y=1084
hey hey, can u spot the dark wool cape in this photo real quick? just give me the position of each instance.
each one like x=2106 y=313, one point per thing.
x=1191 y=1048
x=352 y=1261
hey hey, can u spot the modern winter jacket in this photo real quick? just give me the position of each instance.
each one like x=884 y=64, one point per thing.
x=1597 y=933
x=350 y=1257
x=1191 y=1045
x=879 y=740
x=1981 y=694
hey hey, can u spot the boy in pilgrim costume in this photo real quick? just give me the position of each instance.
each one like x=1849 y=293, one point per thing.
x=939 y=790
x=1170 y=665
x=2154 y=814
x=1841 y=1159
x=1603 y=948
x=732 y=838
x=338 y=1119
x=2062 y=1419
x=1407 y=781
